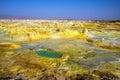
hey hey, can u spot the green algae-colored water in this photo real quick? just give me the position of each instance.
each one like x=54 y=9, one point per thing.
x=46 y=53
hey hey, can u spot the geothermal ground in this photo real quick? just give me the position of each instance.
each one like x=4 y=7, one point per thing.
x=59 y=50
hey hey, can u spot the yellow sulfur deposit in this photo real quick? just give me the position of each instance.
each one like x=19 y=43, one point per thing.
x=15 y=68
x=8 y=45
x=35 y=32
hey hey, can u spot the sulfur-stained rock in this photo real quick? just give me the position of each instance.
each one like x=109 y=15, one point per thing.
x=9 y=52
x=15 y=68
x=81 y=77
x=108 y=44
x=21 y=77
x=90 y=40
x=105 y=75
x=8 y=45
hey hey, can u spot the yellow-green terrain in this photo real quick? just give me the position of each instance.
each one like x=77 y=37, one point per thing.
x=59 y=50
